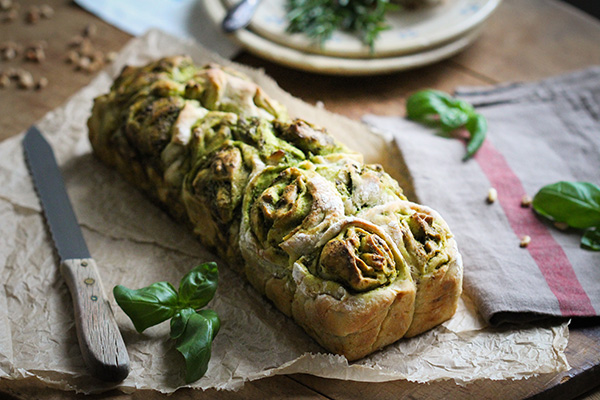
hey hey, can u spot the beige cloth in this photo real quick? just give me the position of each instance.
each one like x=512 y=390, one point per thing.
x=135 y=244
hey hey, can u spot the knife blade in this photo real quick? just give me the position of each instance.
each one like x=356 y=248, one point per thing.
x=239 y=15
x=100 y=340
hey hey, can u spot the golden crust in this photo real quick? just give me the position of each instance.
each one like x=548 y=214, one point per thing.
x=437 y=296
x=439 y=285
x=351 y=324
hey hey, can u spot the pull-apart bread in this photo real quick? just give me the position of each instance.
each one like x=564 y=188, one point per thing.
x=331 y=241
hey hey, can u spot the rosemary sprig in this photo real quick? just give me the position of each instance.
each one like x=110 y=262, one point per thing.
x=318 y=19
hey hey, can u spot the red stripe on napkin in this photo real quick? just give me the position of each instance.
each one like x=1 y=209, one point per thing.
x=546 y=252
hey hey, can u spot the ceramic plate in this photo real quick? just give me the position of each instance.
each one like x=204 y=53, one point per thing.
x=320 y=63
x=410 y=30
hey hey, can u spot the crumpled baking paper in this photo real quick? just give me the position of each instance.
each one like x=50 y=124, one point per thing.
x=136 y=244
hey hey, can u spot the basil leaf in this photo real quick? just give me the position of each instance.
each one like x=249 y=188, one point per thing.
x=438 y=109
x=477 y=127
x=194 y=333
x=591 y=239
x=147 y=306
x=575 y=203
x=198 y=286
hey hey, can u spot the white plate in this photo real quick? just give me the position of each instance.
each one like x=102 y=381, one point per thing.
x=337 y=65
x=410 y=30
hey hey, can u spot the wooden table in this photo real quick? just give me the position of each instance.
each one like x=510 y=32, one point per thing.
x=523 y=41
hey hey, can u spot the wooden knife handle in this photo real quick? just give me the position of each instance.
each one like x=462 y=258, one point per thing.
x=100 y=340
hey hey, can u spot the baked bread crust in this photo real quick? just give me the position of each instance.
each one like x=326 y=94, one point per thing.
x=432 y=253
x=331 y=241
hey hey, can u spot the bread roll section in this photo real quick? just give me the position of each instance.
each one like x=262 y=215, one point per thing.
x=331 y=241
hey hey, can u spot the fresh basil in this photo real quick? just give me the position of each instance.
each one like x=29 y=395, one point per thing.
x=477 y=127
x=439 y=109
x=591 y=239
x=193 y=330
x=575 y=203
x=147 y=306
x=199 y=285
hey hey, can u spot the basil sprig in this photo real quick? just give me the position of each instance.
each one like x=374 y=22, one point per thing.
x=440 y=110
x=576 y=204
x=192 y=330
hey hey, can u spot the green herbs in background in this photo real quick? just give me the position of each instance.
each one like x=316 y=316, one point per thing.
x=442 y=111
x=192 y=329
x=318 y=19
x=576 y=204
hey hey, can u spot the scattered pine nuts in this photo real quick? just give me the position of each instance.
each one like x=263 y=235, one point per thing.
x=30 y=55
x=110 y=56
x=10 y=50
x=36 y=55
x=83 y=55
x=83 y=63
x=525 y=240
x=25 y=80
x=6 y=5
x=72 y=57
x=42 y=83
x=526 y=201
x=492 y=195
x=9 y=54
x=33 y=15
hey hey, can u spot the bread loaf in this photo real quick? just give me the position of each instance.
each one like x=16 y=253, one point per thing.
x=331 y=241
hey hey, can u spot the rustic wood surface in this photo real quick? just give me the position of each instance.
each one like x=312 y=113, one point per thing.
x=523 y=41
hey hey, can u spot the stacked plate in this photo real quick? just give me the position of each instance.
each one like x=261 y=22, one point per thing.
x=415 y=38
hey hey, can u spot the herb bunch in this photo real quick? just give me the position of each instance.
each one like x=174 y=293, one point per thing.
x=192 y=329
x=318 y=19
x=438 y=109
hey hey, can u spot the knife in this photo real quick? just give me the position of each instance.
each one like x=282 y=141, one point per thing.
x=100 y=340
x=239 y=15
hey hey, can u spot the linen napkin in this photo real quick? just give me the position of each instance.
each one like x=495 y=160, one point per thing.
x=539 y=133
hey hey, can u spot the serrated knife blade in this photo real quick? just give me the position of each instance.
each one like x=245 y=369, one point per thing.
x=100 y=340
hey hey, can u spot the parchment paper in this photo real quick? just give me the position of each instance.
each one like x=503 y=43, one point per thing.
x=136 y=244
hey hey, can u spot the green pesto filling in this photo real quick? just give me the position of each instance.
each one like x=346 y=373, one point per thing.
x=427 y=242
x=282 y=202
x=358 y=259
x=361 y=186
